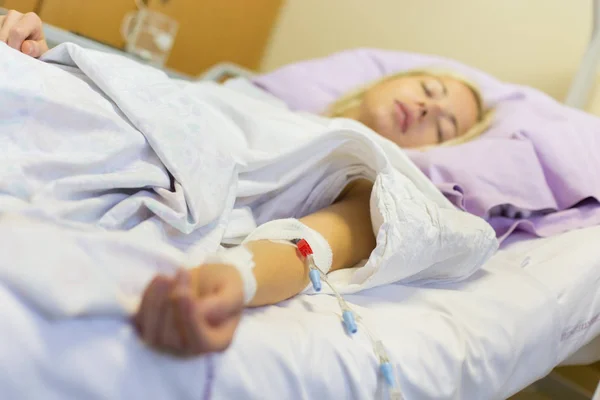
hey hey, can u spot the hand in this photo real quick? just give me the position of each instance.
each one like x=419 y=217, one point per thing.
x=194 y=313
x=23 y=32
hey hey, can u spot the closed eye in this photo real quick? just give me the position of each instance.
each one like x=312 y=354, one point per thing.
x=446 y=128
x=426 y=90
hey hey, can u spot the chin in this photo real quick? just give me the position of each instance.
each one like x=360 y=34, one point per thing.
x=392 y=135
x=384 y=129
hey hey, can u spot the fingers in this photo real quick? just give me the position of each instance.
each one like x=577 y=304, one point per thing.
x=211 y=320
x=152 y=308
x=32 y=25
x=190 y=319
x=33 y=48
x=158 y=320
x=8 y=23
x=227 y=301
x=175 y=316
x=192 y=324
x=220 y=291
x=169 y=337
x=173 y=338
x=23 y=32
x=219 y=338
x=201 y=336
x=29 y=26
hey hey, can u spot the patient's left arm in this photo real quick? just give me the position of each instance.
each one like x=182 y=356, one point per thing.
x=197 y=311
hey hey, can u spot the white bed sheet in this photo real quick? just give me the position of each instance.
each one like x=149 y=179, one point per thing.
x=169 y=169
x=527 y=310
x=533 y=304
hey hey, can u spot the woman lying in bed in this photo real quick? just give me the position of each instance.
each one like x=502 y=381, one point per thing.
x=198 y=310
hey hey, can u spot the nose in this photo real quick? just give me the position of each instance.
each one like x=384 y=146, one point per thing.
x=430 y=108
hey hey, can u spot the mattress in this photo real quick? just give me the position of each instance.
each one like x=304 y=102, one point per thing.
x=532 y=305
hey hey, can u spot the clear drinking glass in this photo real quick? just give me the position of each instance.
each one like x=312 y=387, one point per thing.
x=149 y=35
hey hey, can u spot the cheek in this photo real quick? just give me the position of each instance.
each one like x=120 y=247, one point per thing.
x=422 y=135
x=374 y=113
x=372 y=104
x=381 y=97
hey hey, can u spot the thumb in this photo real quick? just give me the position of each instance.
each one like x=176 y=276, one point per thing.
x=33 y=48
x=220 y=306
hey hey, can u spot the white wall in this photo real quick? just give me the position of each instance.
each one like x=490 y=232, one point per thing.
x=534 y=42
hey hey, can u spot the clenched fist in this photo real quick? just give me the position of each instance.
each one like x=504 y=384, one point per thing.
x=23 y=32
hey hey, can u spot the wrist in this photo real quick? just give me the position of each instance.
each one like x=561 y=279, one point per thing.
x=279 y=271
x=242 y=260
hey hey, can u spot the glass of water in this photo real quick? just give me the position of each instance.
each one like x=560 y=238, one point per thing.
x=149 y=35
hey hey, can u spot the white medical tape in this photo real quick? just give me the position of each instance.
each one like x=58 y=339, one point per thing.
x=290 y=229
x=240 y=258
x=287 y=230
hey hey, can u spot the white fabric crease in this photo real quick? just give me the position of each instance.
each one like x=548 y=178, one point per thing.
x=116 y=172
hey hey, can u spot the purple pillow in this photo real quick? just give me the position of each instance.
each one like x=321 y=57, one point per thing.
x=539 y=155
x=314 y=84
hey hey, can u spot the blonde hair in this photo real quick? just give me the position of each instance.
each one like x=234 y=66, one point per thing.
x=484 y=116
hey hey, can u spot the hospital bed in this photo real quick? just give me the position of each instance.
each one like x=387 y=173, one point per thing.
x=488 y=337
x=582 y=94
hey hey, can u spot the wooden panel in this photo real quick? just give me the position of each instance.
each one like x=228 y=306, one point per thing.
x=585 y=377
x=95 y=19
x=20 y=5
x=212 y=31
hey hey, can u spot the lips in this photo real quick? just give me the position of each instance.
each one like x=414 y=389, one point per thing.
x=403 y=115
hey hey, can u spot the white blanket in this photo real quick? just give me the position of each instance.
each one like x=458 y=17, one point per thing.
x=115 y=175
x=487 y=337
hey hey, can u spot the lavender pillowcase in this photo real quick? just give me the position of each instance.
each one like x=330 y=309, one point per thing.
x=539 y=156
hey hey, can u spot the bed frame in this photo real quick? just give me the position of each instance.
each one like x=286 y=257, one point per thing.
x=585 y=78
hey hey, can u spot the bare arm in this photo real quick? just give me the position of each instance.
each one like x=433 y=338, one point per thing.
x=346 y=225
x=198 y=311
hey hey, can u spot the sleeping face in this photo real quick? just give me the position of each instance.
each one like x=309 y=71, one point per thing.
x=418 y=110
